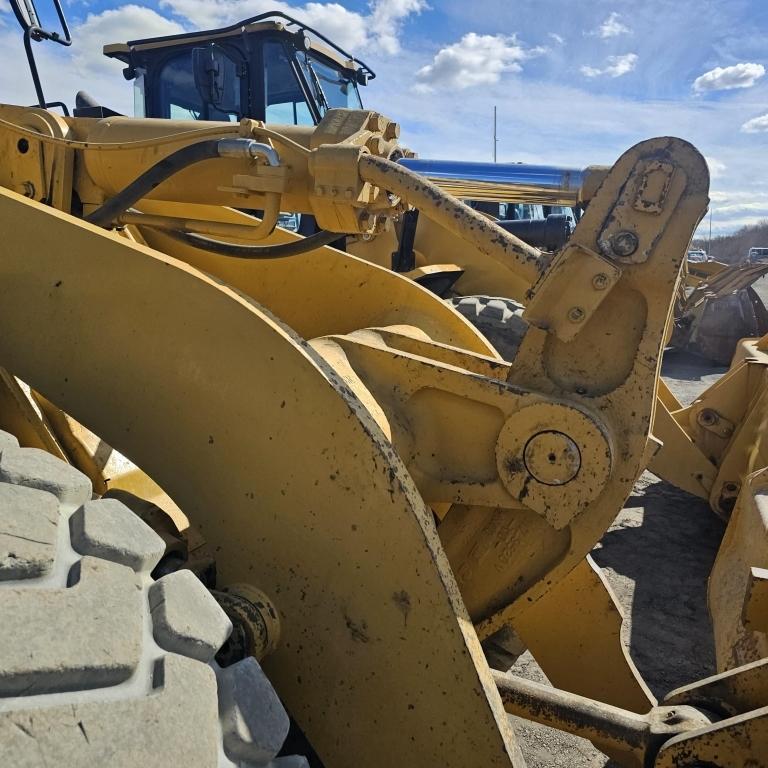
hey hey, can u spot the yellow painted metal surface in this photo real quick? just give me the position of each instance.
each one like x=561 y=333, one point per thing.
x=106 y=467
x=574 y=633
x=736 y=587
x=679 y=460
x=21 y=416
x=742 y=738
x=433 y=244
x=717 y=448
x=460 y=434
x=324 y=291
x=324 y=518
x=453 y=465
x=738 y=737
x=712 y=445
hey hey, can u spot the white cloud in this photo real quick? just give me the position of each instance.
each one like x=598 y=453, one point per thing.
x=716 y=167
x=474 y=60
x=64 y=71
x=379 y=30
x=734 y=209
x=386 y=20
x=616 y=66
x=744 y=209
x=611 y=27
x=557 y=38
x=756 y=125
x=116 y=25
x=743 y=75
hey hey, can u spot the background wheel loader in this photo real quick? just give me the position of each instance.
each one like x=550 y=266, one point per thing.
x=342 y=439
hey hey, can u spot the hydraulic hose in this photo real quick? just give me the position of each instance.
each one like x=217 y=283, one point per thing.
x=277 y=251
x=453 y=215
x=172 y=164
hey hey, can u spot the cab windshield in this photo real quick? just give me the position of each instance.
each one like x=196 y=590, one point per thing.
x=331 y=86
x=220 y=81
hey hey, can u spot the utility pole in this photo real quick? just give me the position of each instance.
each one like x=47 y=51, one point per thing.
x=495 y=139
x=709 y=246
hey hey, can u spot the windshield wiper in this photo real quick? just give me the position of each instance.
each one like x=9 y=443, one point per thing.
x=319 y=92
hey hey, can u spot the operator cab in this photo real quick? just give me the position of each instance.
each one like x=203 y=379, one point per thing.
x=269 y=67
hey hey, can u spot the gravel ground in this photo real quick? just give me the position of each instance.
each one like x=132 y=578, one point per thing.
x=657 y=556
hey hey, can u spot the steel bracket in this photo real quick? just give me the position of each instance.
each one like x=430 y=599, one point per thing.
x=570 y=291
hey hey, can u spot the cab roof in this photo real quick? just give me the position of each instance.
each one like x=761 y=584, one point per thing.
x=275 y=21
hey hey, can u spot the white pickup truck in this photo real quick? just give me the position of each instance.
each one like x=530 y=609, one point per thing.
x=757 y=255
x=697 y=256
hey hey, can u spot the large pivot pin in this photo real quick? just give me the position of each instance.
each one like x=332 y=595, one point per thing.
x=556 y=472
x=552 y=458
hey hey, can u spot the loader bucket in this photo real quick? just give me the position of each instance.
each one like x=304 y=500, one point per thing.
x=720 y=311
x=715 y=327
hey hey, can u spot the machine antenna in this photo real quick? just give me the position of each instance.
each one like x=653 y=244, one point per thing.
x=495 y=138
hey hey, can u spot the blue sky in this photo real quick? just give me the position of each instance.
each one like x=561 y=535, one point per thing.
x=574 y=83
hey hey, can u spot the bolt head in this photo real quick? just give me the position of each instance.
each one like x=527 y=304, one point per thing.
x=375 y=123
x=375 y=145
x=624 y=243
x=576 y=314
x=392 y=132
x=600 y=281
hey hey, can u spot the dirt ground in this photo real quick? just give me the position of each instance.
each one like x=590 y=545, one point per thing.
x=657 y=556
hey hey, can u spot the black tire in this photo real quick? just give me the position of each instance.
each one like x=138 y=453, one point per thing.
x=100 y=664
x=499 y=320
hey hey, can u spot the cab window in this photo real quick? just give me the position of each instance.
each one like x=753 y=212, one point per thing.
x=285 y=100
x=337 y=89
x=181 y=99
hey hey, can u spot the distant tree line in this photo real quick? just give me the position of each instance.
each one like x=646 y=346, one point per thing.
x=734 y=248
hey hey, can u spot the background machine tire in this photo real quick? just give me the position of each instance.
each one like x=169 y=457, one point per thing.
x=499 y=320
x=99 y=663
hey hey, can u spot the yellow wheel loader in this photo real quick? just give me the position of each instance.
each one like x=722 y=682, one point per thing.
x=379 y=489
